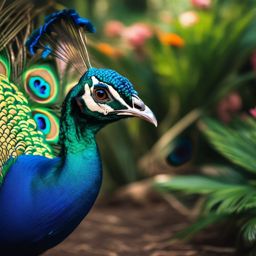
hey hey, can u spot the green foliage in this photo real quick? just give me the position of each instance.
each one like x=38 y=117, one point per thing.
x=249 y=231
x=194 y=184
x=207 y=66
x=237 y=143
x=234 y=199
x=200 y=224
x=226 y=198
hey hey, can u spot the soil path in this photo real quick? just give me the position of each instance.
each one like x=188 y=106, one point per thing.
x=130 y=230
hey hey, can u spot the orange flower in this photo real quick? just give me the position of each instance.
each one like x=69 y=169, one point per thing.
x=171 y=39
x=108 y=50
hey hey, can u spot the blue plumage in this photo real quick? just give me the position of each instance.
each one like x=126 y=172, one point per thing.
x=68 y=13
x=119 y=82
x=34 y=41
x=37 y=214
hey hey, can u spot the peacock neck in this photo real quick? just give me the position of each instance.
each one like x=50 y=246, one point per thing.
x=80 y=159
x=77 y=134
x=74 y=140
x=78 y=175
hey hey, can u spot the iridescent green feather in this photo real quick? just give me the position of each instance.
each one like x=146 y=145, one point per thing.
x=19 y=133
x=46 y=90
x=5 y=67
x=18 y=130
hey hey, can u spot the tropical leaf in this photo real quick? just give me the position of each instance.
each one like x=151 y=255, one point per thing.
x=248 y=231
x=201 y=223
x=194 y=184
x=232 y=200
x=237 y=142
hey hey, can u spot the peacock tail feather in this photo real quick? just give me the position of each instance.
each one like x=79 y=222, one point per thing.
x=46 y=89
x=18 y=130
x=42 y=87
x=41 y=84
x=5 y=67
x=48 y=123
x=25 y=127
x=13 y=18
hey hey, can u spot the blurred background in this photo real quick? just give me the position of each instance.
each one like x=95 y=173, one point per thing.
x=194 y=63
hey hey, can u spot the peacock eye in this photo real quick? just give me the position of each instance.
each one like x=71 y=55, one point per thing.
x=100 y=95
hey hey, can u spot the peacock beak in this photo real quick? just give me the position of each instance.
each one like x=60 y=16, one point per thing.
x=146 y=115
x=139 y=109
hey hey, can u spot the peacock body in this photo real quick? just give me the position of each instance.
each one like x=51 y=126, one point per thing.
x=44 y=196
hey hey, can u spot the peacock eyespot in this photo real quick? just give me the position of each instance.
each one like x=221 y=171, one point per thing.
x=41 y=123
x=37 y=82
x=43 y=89
x=41 y=83
x=47 y=123
x=39 y=87
x=101 y=95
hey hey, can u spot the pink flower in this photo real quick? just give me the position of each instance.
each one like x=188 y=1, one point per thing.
x=188 y=19
x=229 y=106
x=137 y=34
x=202 y=4
x=253 y=112
x=113 y=28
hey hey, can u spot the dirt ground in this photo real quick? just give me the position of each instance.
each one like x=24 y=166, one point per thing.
x=135 y=230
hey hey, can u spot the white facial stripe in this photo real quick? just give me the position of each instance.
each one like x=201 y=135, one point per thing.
x=117 y=96
x=112 y=91
x=100 y=107
x=94 y=80
x=92 y=105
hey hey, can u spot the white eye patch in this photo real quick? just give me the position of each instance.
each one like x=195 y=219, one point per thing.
x=92 y=105
x=112 y=91
x=101 y=107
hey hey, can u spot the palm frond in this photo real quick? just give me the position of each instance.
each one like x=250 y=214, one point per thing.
x=248 y=231
x=193 y=184
x=233 y=200
x=201 y=223
x=237 y=143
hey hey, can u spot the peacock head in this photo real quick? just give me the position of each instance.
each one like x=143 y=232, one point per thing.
x=104 y=96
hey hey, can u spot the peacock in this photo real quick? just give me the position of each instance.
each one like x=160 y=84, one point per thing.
x=51 y=169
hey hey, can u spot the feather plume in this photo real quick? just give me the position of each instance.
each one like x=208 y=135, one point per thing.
x=63 y=36
x=13 y=18
x=15 y=21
